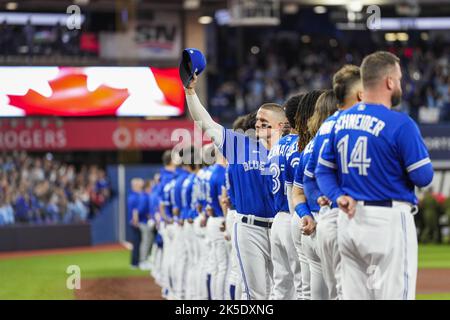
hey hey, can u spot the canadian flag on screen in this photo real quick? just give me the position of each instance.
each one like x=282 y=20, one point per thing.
x=90 y=91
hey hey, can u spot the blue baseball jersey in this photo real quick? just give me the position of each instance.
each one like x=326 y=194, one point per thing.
x=186 y=196
x=249 y=177
x=299 y=174
x=374 y=149
x=215 y=179
x=182 y=174
x=138 y=201
x=283 y=158
x=311 y=188
x=230 y=189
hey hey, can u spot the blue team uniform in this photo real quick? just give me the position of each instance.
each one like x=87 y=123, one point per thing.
x=379 y=153
x=215 y=180
x=299 y=175
x=230 y=189
x=249 y=178
x=186 y=197
x=310 y=186
x=283 y=158
x=182 y=174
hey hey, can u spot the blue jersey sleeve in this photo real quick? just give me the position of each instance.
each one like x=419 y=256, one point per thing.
x=326 y=173
x=293 y=159
x=414 y=153
x=298 y=178
x=229 y=186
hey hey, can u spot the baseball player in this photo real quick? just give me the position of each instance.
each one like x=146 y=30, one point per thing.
x=247 y=159
x=311 y=274
x=166 y=175
x=201 y=244
x=369 y=167
x=348 y=91
x=234 y=281
x=179 y=242
x=167 y=229
x=218 y=260
x=284 y=159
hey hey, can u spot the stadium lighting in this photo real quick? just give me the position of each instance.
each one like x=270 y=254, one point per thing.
x=424 y=36
x=402 y=36
x=290 y=8
x=306 y=39
x=254 y=50
x=205 y=20
x=11 y=6
x=320 y=9
x=355 y=6
x=391 y=37
x=191 y=4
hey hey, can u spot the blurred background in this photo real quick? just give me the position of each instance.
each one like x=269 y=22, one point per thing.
x=90 y=94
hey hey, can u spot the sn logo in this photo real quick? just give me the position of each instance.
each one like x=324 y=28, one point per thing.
x=74 y=279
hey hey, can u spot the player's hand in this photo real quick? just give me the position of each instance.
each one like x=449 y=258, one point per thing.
x=227 y=237
x=209 y=212
x=190 y=89
x=203 y=221
x=222 y=226
x=224 y=201
x=323 y=201
x=176 y=212
x=348 y=205
x=309 y=225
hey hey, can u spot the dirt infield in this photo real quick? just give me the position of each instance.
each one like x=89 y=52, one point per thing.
x=130 y=288
x=144 y=288
x=433 y=281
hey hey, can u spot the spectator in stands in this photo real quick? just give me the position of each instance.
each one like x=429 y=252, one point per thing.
x=43 y=190
x=136 y=215
x=6 y=210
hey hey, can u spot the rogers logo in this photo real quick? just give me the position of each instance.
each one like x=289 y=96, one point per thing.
x=122 y=138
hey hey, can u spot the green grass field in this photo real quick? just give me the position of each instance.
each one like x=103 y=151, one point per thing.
x=44 y=277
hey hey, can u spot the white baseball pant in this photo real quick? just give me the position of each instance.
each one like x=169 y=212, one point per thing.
x=253 y=253
x=192 y=260
x=167 y=255
x=202 y=265
x=234 y=281
x=328 y=250
x=379 y=253
x=180 y=262
x=319 y=290
x=287 y=278
x=296 y=232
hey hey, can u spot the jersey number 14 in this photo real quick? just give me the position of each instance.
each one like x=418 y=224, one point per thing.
x=358 y=156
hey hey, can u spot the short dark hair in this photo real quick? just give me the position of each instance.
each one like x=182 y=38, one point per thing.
x=344 y=80
x=291 y=107
x=167 y=158
x=375 y=66
x=250 y=121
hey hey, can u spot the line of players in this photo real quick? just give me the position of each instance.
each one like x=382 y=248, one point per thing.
x=291 y=250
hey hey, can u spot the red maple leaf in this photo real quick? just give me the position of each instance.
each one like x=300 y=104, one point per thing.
x=71 y=97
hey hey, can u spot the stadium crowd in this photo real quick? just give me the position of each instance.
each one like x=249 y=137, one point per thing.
x=39 y=190
x=277 y=76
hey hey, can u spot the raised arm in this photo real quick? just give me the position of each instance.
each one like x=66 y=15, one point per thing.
x=201 y=116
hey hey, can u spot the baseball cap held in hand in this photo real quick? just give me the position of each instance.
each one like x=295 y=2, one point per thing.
x=192 y=61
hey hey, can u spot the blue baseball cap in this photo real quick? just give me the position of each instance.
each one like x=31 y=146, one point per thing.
x=192 y=61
